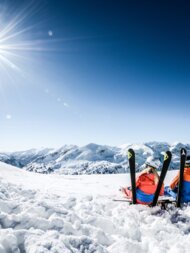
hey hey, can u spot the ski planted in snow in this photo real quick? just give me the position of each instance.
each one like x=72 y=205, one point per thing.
x=182 y=166
x=131 y=157
x=167 y=160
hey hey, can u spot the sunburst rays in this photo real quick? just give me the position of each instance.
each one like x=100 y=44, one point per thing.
x=18 y=39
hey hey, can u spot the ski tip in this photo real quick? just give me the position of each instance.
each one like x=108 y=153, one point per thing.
x=130 y=153
x=131 y=150
x=167 y=156
x=183 y=151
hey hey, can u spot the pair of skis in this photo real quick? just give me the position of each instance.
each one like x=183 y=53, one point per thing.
x=166 y=163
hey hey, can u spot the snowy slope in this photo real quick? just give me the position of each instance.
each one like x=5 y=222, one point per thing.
x=70 y=214
x=22 y=158
x=90 y=159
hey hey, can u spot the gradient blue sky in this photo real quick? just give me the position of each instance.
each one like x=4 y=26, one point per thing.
x=109 y=72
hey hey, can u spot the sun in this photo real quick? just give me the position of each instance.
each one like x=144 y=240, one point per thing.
x=18 y=38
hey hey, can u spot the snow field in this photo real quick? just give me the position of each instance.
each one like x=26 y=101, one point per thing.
x=70 y=217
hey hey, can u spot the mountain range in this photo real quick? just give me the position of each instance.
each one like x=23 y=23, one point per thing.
x=92 y=158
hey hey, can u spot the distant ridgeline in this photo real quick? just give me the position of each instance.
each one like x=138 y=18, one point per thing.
x=92 y=158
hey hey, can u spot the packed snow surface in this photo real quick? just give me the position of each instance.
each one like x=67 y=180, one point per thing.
x=70 y=214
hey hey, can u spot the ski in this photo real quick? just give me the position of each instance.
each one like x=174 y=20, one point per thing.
x=182 y=165
x=167 y=160
x=160 y=200
x=123 y=200
x=131 y=157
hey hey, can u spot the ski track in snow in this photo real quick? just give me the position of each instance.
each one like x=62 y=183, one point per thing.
x=71 y=214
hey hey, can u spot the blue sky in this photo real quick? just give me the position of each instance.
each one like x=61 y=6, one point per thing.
x=109 y=72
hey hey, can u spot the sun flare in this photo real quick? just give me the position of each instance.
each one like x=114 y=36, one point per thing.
x=18 y=38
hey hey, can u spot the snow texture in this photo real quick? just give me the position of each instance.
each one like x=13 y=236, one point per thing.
x=76 y=214
x=91 y=159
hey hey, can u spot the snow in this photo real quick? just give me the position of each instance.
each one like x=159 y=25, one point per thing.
x=91 y=158
x=69 y=214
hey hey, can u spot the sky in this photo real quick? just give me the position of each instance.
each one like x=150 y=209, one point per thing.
x=109 y=72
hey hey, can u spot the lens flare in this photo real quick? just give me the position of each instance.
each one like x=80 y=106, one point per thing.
x=18 y=38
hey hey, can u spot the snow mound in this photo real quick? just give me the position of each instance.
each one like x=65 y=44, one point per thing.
x=52 y=213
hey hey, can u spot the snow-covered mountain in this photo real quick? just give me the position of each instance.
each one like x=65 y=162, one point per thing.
x=91 y=159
